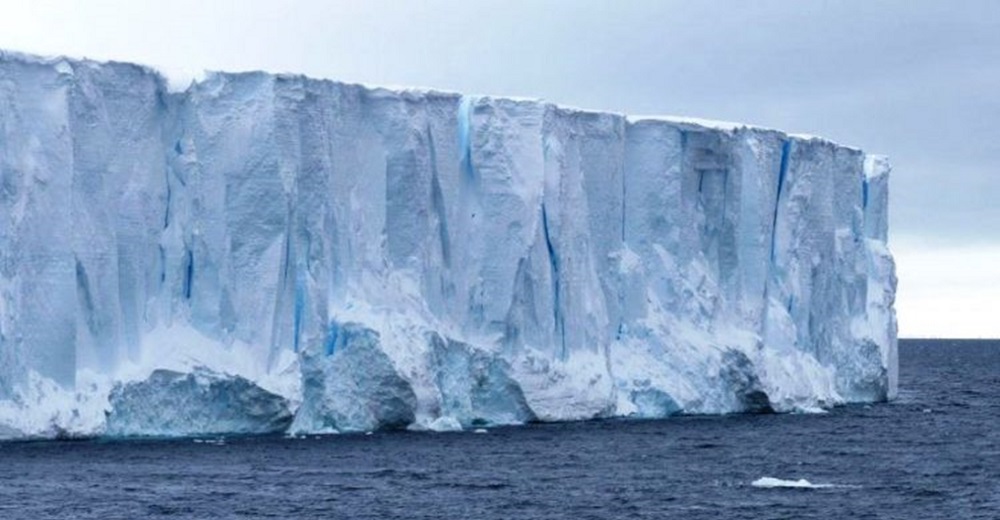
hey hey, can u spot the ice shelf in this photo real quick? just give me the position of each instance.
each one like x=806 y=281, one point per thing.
x=400 y=258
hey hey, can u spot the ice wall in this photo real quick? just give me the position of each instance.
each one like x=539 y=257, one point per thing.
x=577 y=264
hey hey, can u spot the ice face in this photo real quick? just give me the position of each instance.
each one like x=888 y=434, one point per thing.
x=83 y=174
x=424 y=255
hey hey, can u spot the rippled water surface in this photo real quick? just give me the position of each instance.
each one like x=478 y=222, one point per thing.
x=934 y=453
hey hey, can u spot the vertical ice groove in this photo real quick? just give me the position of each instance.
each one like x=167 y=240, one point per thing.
x=786 y=149
x=188 y=274
x=166 y=212
x=86 y=296
x=558 y=320
x=300 y=304
x=624 y=188
x=437 y=200
x=333 y=330
x=162 y=252
x=465 y=108
x=725 y=192
x=286 y=284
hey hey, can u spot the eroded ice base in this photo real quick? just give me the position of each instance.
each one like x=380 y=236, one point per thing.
x=201 y=402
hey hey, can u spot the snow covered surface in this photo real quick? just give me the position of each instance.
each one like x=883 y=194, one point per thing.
x=412 y=258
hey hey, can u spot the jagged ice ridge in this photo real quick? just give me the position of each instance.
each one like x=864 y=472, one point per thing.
x=364 y=258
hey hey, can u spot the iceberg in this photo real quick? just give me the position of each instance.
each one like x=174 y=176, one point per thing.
x=387 y=258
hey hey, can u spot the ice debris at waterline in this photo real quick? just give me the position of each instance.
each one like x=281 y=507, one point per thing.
x=373 y=258
x=170 y=404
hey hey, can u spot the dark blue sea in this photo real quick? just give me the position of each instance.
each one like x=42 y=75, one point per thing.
x=933 y=453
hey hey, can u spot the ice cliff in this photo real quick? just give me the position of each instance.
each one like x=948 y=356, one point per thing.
x=401 y=258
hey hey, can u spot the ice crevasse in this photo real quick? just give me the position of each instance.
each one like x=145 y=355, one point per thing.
x=316 y=256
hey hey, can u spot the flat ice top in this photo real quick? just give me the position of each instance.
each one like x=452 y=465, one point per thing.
x=731 y=126
x=183 y=84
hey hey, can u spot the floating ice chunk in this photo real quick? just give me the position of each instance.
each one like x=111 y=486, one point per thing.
x=771 y=482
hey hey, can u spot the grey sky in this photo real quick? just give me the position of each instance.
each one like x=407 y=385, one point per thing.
x=916 y=80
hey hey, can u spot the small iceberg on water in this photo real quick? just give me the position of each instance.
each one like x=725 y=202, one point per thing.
x=771 y=483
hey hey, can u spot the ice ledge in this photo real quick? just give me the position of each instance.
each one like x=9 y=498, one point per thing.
x=406 y=92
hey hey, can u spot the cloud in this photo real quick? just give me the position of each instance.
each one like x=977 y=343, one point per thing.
x=916 y=80
x=947 y=291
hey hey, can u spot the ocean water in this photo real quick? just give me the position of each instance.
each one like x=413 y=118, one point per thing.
x=933 y=453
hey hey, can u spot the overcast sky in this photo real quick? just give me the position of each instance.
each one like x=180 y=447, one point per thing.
x=916 y=80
